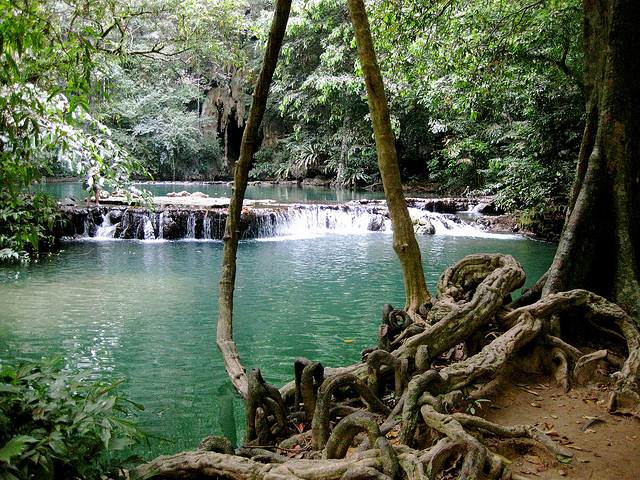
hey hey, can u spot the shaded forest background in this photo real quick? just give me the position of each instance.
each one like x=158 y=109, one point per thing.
x=486 y=97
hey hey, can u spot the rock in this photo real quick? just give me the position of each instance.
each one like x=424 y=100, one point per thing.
x=115 y=216
x=376 y=223
x=424 y=226
x=199 y=195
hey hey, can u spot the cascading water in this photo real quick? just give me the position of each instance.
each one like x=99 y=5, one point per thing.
x=149 y=233
x=318 y=219
x=297 y=221
x=161 y=226
x=107 y=229
x=206 y=227
x=191 y=227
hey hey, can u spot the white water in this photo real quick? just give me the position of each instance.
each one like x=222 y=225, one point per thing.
x=191 y=227
x=106 y=229
x=306 y=221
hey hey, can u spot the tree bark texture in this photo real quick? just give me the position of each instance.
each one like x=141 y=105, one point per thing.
x=225 y=341
x=404 y=241
x=600 y=243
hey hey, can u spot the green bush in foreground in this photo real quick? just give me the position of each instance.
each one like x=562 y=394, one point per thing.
x=58 y=426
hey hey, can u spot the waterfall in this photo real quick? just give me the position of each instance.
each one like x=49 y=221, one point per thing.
x=161 y=226
x=291 y=221
x=191 y=226
x=206 y=227
x=106 y=229
x=148 y=230
x=311 y=220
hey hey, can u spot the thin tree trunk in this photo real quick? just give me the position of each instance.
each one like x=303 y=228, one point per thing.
x=225 y=341
x=600 y=243
x=404 y=240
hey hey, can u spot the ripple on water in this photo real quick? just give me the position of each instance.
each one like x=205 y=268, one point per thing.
x=147 y=311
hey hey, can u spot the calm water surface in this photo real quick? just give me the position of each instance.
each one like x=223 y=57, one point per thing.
x=147 y=311
x=282 y=193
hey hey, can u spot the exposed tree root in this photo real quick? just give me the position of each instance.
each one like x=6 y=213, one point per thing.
x=416 y=382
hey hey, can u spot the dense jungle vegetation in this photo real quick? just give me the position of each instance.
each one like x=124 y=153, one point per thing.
x=486 y=98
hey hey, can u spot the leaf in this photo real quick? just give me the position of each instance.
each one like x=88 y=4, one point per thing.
x=563 y=459
x=8 y=388
x=105 y=432
x=12 y=448
x=533 y=459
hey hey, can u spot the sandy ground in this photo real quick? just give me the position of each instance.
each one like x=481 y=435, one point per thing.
x=606 y=446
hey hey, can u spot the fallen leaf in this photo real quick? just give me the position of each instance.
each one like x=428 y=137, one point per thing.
x=528 y=471
x=563 y=459
x=573 y=447
x=504 y=459
x=532 y=392
x=533 y=459
x=534 y=404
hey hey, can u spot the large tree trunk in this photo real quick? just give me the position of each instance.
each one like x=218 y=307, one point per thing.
x=404 y=240
x=227 y=346
x=600 y=243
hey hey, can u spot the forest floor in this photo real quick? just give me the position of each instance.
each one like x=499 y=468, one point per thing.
x=606 y=446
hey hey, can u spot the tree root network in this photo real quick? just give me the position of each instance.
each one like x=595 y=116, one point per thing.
x=399 y=414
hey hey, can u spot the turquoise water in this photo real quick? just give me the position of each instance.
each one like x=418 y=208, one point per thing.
x=282 y=193
x=147 y=311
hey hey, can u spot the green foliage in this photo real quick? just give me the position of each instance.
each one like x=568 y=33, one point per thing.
x=160 y=122
x=27 y=225
x=45 y=82
x=321 y=100
x=498 y=86
x=56 y=426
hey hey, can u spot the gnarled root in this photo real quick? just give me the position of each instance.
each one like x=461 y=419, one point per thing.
x=379 y=358
x=263 y=400
x=320 y=422
x=309 y=377
x=469 y=295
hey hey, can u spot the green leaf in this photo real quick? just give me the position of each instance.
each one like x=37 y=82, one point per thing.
x=12 y=448
x=8 y=388
x=563 y=459
x=105 y=432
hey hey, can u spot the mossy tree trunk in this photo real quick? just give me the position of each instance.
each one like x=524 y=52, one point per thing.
x=600 y=243
x=404 y=240
x=225 y=341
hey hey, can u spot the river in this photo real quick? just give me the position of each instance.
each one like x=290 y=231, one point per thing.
x=147 y=311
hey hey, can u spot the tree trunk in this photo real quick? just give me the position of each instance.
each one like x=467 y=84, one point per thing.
x=404 y=241
x=227 y=346
x=600 y=243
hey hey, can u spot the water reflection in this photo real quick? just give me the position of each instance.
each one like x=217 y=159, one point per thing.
x=147 y=311
x=282 y=193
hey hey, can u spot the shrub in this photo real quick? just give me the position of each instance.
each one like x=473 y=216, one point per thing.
x=59 y=426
